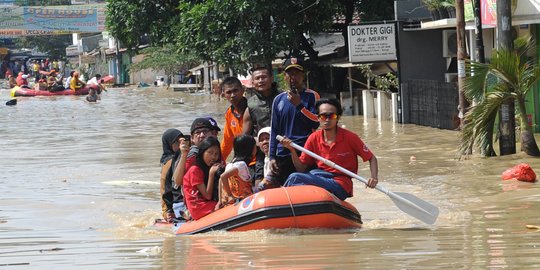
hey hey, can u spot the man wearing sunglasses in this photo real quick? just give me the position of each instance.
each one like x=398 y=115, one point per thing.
x=333 y=143
x=293 y=116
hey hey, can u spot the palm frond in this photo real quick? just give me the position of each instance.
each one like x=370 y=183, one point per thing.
x=508 y=77
x=504 y=65
x=476 y=130
x=476 y=79
x=524 y=45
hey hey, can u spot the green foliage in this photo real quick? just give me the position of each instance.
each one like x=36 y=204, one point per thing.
x=131 y=20
x=53 y=46
x=235 y=33
x=387 y=82
x=377 y=10
x=433 y=4
x=165 y=58
x=449 y=3
x=239 y=32
x=509 y=76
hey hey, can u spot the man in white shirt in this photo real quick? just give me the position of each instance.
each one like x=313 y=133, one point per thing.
x=95 y=88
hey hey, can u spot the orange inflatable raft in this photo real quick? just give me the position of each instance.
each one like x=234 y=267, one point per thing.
x=279 y=208
x=32 y=92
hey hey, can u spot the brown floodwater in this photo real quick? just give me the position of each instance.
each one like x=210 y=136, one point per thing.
x=79 y=188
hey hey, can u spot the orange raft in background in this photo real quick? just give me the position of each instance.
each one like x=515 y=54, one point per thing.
x=29 y=92
x=279 y=208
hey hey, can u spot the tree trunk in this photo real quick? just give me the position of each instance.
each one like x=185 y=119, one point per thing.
x=528 y=142
x=316 y=70
x=507 y=139
x=461 y=57
x=340 y=74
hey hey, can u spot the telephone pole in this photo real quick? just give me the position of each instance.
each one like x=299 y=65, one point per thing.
x=507 y=124
x=461 y=57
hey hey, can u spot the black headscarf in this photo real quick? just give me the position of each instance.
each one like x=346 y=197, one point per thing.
x=170 y=136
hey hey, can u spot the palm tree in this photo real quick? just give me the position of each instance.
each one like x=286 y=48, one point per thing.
x=509 y=76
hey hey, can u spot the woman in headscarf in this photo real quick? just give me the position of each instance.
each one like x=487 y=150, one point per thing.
x=170 y=144
x=172 y=201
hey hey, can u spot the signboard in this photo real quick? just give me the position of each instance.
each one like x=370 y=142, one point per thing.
x=372 y=43
x=7 y=2
x=53 y=19
x=72 y=50
x=87 y=59
x=488 y=8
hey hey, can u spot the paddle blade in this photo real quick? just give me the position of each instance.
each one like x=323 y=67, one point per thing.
x=12 y=102
x=415 y=207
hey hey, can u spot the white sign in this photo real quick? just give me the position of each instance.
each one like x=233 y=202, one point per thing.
x=72 y=50
x=372 y=43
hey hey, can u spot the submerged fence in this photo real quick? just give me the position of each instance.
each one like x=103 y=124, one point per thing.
x=430 y=103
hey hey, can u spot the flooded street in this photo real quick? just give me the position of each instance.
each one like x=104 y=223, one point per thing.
x=80 y=189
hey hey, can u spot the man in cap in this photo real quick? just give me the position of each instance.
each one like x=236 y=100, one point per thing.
x=263 y=168
x=22 y=80
x=293 y=116
x=201 y=128
x=53 y=83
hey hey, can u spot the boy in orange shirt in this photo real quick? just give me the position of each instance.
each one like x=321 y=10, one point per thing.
x=233 y=91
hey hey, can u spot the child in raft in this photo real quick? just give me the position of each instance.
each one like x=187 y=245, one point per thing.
x=197 y=194
x=235 y=182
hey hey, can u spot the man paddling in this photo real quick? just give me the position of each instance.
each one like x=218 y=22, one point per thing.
x=336 y=144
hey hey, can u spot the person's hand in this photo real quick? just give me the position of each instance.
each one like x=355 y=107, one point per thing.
x=227 y=199
x=214 y=168
x=184 y=145
x=372 y=182
x=286 y=142
x=196 y=139
x=294 y=98
x=169 y=216
x=274 y=168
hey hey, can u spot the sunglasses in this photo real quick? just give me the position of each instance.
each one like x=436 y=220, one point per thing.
x=328 y=116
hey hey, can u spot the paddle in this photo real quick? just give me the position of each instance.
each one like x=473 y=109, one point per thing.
x=406 y=202
x=11 y=102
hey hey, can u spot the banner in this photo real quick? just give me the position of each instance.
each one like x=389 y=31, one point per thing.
x=7 y=3
x=14 y=33
x=53 y=19
x=488 y=11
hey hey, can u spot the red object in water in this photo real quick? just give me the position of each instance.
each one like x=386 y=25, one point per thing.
x=108 y=79
x=28 y=92
x=521 y=172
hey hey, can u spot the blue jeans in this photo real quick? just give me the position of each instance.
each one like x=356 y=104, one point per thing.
x=318 y=178
x=179 y=208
